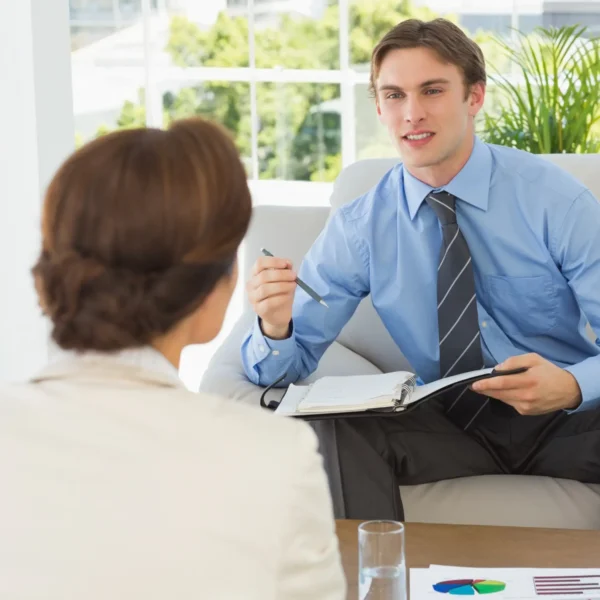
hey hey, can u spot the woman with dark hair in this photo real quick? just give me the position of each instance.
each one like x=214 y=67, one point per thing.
x=116 y=481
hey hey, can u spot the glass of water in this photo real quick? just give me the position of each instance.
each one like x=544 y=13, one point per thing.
x=381 y=563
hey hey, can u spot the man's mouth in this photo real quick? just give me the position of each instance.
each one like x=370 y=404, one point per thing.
x=418 y=136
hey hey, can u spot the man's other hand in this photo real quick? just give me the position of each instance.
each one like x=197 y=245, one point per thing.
x=541 y=389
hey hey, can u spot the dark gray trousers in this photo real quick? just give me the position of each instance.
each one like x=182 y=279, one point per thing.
x=368 y=458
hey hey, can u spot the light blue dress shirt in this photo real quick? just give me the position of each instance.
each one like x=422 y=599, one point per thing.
x=534 y=236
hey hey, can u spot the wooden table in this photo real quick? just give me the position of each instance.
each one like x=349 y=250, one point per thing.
x=477 y=546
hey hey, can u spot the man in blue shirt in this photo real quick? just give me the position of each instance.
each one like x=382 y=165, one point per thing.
x=474 y=255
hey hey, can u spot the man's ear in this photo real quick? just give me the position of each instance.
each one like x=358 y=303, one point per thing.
x=476 y=97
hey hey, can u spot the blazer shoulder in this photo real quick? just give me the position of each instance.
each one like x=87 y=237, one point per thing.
x=259 y=424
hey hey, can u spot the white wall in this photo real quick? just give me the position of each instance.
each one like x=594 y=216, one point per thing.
x=36 y=135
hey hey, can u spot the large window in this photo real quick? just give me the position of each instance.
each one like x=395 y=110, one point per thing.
x=287 y=77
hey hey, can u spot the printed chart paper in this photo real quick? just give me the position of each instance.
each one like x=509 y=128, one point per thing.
x=444 y=582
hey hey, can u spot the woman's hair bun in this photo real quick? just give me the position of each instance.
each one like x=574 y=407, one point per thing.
x=138 y=228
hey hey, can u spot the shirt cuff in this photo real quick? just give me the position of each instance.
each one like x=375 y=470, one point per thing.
x=264 y=347
x=586 y=374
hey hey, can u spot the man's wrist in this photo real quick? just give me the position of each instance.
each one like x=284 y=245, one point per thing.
x=274 y=333
x=575 y=397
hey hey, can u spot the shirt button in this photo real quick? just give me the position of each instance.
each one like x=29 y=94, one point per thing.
x=261 y=348
x=484 y=323
x=275 y=352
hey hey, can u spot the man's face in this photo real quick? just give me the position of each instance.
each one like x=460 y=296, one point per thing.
x=421 y=101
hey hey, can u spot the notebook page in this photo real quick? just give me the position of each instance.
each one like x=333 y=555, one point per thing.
x=422 y=391
x=354 y=390
x=291 y=399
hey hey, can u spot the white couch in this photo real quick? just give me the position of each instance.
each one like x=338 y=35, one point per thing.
x=364 y=346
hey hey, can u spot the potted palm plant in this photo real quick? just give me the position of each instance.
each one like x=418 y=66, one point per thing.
x=549 y=102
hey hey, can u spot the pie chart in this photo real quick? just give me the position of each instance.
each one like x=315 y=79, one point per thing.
x=469 y=587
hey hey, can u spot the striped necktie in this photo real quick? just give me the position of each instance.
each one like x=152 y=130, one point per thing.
x=458 y=323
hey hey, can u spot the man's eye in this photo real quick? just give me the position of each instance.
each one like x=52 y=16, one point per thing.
x=433 y=91
x=393 y=96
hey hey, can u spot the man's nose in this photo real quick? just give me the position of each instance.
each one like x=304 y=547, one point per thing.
x=414 y=110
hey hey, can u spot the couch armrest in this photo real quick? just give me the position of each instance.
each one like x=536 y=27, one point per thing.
x=225 y=375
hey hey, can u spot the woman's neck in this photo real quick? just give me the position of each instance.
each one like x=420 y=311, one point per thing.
x=170 y=346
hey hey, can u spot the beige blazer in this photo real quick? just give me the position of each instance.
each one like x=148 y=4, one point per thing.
x=118 y=483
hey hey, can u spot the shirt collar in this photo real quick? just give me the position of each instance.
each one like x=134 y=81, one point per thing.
x=145 y=363
x=471 y=184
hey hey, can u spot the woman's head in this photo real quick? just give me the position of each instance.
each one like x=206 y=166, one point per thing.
x=140 y=232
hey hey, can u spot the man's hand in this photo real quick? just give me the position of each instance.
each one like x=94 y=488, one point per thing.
x=543 y=388
x=271 y=293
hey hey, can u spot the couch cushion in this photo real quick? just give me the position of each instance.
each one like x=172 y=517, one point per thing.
x=517 y=500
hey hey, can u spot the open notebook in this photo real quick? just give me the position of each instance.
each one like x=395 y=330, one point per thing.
x=355 y=394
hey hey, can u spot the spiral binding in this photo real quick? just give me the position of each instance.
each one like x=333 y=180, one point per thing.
x=406 y=389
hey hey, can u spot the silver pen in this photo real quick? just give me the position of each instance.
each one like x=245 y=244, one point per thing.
x=303 y=285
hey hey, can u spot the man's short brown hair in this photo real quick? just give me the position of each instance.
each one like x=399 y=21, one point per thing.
x=445 y=38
